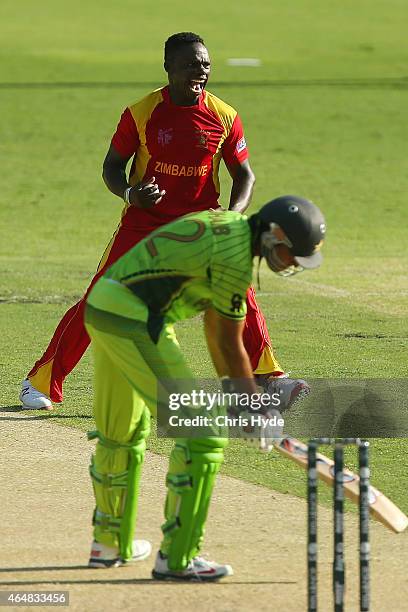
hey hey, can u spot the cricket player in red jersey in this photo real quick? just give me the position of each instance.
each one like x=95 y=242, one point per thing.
x=176 y=137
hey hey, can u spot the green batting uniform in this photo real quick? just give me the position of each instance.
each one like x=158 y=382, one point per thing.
x=201 y=260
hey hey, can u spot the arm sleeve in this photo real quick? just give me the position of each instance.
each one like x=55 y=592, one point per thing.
x=126 y=138
x=229 y=292
x=234 y=149
x=230 y=278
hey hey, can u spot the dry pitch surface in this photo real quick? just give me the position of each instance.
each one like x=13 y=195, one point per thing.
x=46 y=533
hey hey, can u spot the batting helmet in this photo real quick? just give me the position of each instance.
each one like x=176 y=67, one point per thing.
x=303 y=223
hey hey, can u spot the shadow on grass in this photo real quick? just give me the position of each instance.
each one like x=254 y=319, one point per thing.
x=67 y=568
x=130 y=581
x=45 y=414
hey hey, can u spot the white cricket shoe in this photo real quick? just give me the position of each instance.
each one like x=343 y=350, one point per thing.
x=33 y=399
x=290 y=390
x=103 y=556
x=198 y=570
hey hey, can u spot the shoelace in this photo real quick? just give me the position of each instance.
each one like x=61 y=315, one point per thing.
x=200 y=559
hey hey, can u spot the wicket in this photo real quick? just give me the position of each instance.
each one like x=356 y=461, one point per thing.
x=338 y=518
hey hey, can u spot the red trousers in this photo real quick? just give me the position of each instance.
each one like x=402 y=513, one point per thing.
x=70 y=339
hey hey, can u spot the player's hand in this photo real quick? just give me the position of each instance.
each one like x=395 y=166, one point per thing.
x=259 y=424
x=272 y=431
x=146 y=194
x=263 y=430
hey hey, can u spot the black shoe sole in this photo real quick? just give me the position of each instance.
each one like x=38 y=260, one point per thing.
x=187 y=578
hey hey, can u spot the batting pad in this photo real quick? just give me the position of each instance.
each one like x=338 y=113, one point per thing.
x=193 y=468
x=115 y=471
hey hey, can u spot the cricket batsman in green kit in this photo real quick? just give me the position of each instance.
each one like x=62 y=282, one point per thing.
x=200 y=263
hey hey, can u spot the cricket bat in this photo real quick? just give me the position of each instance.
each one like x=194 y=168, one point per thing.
x=381 y=508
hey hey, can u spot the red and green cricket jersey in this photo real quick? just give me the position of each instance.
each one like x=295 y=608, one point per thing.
x=182 y=147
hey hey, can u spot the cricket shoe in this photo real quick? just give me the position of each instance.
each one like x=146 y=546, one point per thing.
x=103 y=556
x=290 y=390
x=32 y=399
x=198 y=570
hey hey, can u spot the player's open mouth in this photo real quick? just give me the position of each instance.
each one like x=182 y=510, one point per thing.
x=197 y=86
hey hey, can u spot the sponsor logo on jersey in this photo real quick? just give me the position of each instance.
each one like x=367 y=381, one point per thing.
x=180 y=170
x=164 y=137
x=241 y=145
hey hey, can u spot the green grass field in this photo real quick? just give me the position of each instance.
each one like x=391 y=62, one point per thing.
x=325 y=117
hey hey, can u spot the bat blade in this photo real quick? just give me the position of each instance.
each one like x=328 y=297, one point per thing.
x=381 y=507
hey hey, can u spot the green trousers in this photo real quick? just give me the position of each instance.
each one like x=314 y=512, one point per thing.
x=127 y=366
